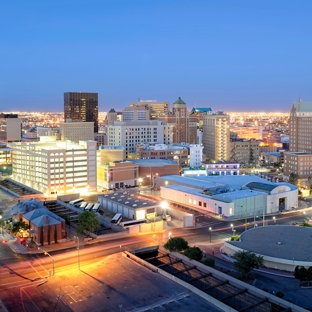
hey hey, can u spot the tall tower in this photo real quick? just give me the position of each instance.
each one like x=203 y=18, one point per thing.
x=216 y=136
x=184 y=123
x=81 y=106
x=300 y=125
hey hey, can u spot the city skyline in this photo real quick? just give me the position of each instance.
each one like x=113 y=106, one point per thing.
x=229 y=56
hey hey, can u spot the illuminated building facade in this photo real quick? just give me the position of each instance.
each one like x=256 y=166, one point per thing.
x=55 y=167
x=216 y=136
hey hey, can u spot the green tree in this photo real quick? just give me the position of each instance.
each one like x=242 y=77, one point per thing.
x=193 y=253
x=246 y=261
x=209 y=262
x=87 y=221
x=293 y=179
x=303 y=274
x=20 y=225
x=309 y=183
x=176 y=244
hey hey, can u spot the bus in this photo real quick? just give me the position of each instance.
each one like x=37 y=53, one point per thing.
x=117 y=218
x=132 y=222
x=96 y=207
x=76 y=201
x=89 y=207
x=83 y=206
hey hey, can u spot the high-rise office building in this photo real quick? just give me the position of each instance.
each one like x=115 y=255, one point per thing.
x=216 y=136
x=155 y=108
x=10 y=128
x=184 y=123
x=81 y=106
x=300 y=125
x=130 y=134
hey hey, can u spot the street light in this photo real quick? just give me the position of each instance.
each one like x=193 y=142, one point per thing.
x=47 y=254
x=232 y=229
x=77 y=238
x=164 y=206
x=274 y=220
x=1 y=225
x=210 y=230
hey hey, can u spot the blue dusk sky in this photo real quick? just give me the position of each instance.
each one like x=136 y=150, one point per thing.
x=231 y=55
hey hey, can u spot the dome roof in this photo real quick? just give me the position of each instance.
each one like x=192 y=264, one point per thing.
x=179 y=101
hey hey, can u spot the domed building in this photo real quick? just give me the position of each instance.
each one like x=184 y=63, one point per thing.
x=282 y=247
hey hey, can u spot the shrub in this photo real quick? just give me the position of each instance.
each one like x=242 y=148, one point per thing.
x=209 y=262
x=234 y=237
x=176 y=244
x=194 y=253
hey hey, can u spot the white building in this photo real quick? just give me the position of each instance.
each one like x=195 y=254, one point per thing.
x=229 y=196
x=55 y=167
x=77 y=131
x=10 y=128
x=129 y=134
x=196 y=155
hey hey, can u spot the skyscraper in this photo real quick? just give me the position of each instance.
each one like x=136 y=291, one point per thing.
x=216 y=136
x=81 y=106
x=184 y=123
x=300 y=125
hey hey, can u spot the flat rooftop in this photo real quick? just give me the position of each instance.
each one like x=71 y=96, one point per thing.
x=128 y=199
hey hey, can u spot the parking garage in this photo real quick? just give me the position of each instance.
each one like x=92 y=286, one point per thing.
x=226 y=291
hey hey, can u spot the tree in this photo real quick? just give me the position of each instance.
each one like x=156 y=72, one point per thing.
x=293 y=179
x=303 y=274
x=209 y=262
x=176 y=244
x=246 y=261
x=87 y=221
x=309 y=183
x=193 y=253
x=20 y=225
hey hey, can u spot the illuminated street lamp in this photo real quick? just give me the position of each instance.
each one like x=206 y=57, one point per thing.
x=164 y=206
x=210 y=230
x=47 y=254
x=232 y=229
x=274 y=220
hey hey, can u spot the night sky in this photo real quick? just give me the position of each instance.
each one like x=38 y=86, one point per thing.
x=230 y=55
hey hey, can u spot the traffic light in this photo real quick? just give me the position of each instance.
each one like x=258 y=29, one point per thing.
x=4 y=241
x=22 y=240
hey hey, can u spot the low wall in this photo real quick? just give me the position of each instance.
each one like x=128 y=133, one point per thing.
x=9 y=191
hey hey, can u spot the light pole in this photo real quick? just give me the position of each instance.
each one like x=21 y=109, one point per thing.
x=164 y=206
x=232 y=229
x=1 y=225
x=210 y=230
x=47 y=254
x=274 y=220
x=77 y=238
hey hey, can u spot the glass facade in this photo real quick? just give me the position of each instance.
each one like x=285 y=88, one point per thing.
x=81 y=106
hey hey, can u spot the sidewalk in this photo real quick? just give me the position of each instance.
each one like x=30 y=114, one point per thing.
x=19 y=248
